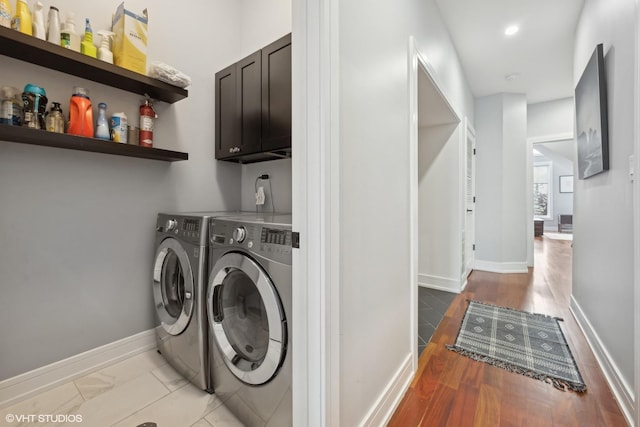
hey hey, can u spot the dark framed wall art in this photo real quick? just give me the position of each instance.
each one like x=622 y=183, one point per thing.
x=591 y=117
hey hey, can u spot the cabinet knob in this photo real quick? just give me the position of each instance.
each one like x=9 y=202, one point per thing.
x=234 y=149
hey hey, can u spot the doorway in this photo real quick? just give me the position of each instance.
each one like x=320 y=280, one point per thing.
x=550 y=189
x=436 y=165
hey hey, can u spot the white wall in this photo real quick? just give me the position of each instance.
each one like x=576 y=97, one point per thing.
x=501 y=217
x=550 y=119
x=439 y=207
x=372 y=45
x=603 y=251
x=77 y=228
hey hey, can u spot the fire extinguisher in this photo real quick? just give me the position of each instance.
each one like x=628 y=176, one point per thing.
x=147 y=114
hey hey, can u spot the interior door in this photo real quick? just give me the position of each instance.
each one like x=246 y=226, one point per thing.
x=469 y=236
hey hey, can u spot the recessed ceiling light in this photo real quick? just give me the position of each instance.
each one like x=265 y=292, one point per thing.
x=512 y=76
x=511 y=30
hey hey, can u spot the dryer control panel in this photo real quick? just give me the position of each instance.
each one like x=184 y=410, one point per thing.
x=267 y=240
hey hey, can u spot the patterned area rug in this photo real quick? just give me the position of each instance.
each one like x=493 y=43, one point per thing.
x=526 y=343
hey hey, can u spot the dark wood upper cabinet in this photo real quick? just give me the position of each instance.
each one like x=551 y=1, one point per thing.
x=226 y=121
x=249 y=103
x=276 y=95
x=253 y=106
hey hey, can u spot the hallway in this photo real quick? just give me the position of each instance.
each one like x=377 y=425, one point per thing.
x=452 y=390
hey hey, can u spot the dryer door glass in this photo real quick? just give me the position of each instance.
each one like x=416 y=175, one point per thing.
x=173 y=286
x=246 y=318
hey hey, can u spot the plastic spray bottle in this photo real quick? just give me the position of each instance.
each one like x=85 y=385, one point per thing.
x=87 y=47
x=104 y=51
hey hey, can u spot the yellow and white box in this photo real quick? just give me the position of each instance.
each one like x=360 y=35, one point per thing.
x=130 y=41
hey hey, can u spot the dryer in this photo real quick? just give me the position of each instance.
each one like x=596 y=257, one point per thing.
x=249 y=310
x=179 y=290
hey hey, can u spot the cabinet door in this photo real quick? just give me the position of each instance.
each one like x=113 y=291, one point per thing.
x=276 y=95
x=249 y=103
x=226 y=120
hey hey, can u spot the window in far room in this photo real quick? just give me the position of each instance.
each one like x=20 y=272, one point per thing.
x=542 y=190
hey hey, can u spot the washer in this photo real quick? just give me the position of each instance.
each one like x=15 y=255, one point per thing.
x=248 y=309
x=179 y=290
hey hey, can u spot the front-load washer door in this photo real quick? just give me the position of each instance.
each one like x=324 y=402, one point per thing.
x=173 y=286
x=246 y=318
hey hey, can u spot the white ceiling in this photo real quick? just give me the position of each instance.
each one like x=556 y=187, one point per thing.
x=541 y=52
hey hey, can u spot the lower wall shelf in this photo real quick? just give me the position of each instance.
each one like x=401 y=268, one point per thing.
x=24 y=135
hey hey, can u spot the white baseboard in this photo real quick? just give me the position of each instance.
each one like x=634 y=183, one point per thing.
x=439 y=283
x=381 y=412
x=501 y=267
x=623 y=392
x=23 y=386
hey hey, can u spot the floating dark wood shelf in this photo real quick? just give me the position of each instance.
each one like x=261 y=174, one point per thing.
x=25 y=135
x=40 y=52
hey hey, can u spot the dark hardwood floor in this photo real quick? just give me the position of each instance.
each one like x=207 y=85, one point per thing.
x=452 y=390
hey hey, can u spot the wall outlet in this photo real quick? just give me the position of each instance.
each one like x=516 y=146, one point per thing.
x=260 y=196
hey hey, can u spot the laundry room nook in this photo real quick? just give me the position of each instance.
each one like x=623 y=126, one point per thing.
x=107 y=242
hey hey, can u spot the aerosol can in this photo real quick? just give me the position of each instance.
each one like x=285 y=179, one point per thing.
x=147 y=115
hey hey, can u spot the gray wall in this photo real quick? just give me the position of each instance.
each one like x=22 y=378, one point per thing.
x=77 y=228
x=603 y=250
x=277 y=195
x=501 y=231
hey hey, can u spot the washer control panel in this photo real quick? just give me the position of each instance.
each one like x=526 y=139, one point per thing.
x=183 y=227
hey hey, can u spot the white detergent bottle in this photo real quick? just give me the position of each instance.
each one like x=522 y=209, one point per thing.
x=68 y=36
x=39 y=30
x=104 y=51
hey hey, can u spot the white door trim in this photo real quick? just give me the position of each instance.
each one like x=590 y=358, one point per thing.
x=315 y=209
x=469 y=131
x=417 y=63
x=636 y=218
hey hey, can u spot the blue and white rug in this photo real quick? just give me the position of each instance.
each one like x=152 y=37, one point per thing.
x=526 y=343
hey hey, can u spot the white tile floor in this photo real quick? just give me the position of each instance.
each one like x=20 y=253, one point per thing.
x=143 y=388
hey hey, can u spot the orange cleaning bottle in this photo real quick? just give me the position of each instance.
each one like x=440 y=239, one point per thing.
x=80 y=113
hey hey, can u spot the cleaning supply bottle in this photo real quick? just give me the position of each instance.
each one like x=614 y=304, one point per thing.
x=53 y=26
x=38 y=21
x=22 y=19
x=87 y=47
x=55 y=120
x=80 y=113
x=11 y=110
x=68 y=36
x=34 y=100
x=102 y=125
x=5 y=13
x=104 y=51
